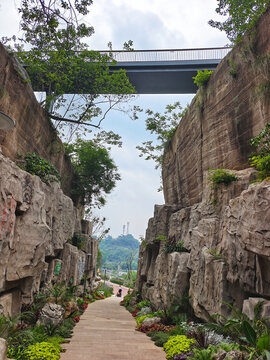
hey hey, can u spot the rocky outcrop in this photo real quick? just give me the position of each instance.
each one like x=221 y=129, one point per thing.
x=227 y=239
x=33 y=131
x=3 y=349
x=37 y=220
x=223 y=232
x=51 y=314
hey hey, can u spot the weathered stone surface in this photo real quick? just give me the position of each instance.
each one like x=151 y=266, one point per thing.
x=222 y=118
x=225 y=228
x=151 y=321
x=10 y=303
x=3 y=349
x=36 y=221
x=249 y=307
x=226 y=261
x=70 y=307
x=51 y=314
x=230 y=355
x=18 y=101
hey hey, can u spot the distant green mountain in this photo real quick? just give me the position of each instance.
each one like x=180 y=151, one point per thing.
x=116 y=251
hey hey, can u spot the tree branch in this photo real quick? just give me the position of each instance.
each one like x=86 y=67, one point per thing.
x=58 y=118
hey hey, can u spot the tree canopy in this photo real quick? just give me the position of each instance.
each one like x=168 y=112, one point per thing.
x=241 y=16
x=59 y=62
x=95 y=172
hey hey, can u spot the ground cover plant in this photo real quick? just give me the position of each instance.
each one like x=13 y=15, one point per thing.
x=231 y=337
x=28 y=340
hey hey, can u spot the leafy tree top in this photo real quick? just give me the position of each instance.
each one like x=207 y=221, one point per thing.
x=241 y=15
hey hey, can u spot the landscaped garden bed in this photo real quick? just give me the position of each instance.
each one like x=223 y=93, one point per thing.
x=182 y=336
x=38 y=332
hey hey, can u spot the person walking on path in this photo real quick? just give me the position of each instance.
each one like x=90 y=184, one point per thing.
x=106 y=331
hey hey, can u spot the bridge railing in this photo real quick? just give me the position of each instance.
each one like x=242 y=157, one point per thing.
x=170 y=55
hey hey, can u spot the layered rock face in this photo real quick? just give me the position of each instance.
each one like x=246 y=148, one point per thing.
x=33 y=131
x=222 y=118
x=224 y=230
x=37 y=220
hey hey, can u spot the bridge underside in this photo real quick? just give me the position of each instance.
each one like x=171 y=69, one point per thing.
x=170 y=77
x=152 y=77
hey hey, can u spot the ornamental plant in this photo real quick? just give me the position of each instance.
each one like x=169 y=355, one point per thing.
x=202 y=77
x=43 y=351
x=176 y=345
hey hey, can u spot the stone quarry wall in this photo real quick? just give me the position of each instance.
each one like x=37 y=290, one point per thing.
x=36 y=222
x=33 y=131
x=225 y=231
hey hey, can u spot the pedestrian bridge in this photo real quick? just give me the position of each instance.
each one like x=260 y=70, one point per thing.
x=167 y=71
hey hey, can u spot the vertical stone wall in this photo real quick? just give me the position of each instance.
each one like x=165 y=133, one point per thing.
x=33 y=131
x=37 y=222
x=224 y=230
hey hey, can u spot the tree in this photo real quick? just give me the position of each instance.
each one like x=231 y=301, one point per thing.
x=242 y=16
x=95 y=172
x=164 y=126
x=60 y=63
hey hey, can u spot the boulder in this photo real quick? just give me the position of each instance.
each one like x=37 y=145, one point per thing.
x=230 y=355
x=70 y=307
x=151 y=321
x=250 y=304
x=3 y=349
x=51 y=314
x=144 y=311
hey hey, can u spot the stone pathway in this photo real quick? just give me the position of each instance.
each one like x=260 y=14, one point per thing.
x=106 y=331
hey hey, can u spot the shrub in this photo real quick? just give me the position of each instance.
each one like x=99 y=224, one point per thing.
x=221 y=176
x=35 y=165
x=262 y=164
x=43 y=351
x=156 y=327
x=178 y=247
x=107 y=290
x=159 y=337
x=202 y=77
x=142 y=304
x=176 y=345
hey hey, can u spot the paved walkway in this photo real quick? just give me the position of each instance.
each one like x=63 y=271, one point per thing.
x=107 y=332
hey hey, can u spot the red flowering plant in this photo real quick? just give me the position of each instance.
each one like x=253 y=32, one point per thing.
x=155 y=327
x=135 y=312
x=76 y=319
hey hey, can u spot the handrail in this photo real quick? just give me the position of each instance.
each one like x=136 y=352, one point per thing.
x=217 y=53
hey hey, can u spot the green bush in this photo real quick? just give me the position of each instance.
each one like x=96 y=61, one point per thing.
x=178 y=247
x=35 y=165
x=43 y=351
x=262 y=164
x=107 y=290
x=142 y=304
x=221 y=176
x=202 y=77
x=159 y=337
x=176 y=345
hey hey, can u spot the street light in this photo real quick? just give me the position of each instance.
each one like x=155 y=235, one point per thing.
x=6 y=122
x=104 y=275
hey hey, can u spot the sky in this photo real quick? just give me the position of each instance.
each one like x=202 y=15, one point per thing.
x=155 y=24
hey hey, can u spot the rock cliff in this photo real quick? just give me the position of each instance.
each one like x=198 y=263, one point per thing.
x=33 y=131
x=225 y=230
x=36 y=222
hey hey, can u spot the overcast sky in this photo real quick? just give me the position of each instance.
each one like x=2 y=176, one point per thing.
x=155 y=24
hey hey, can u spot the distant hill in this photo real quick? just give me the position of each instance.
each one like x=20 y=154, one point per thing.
x=115 y=251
